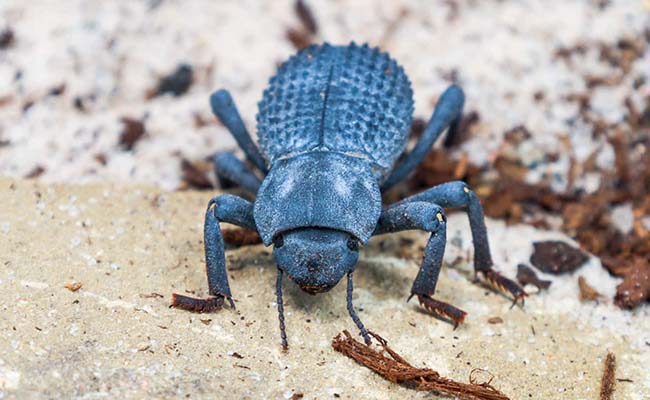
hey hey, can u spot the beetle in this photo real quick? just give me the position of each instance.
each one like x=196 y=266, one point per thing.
x=331 y=125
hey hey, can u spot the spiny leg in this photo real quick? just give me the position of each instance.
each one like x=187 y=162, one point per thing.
x=278 y=293
x=458 y=194
x=224 y=108
x=227 y=166
x=353 y=314
x=431 y=218
x=224 y=208
x=447 y=113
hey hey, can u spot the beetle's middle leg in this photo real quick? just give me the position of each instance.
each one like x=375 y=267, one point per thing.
x=227 y=166
x=458 y=194
x=431 y=218
x=224 y=208
x=224 y=108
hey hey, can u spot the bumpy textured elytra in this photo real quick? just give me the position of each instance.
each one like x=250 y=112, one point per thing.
x=331 y=125
x=353 y=99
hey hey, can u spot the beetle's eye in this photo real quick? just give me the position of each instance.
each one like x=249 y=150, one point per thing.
x=278 y=241
x=353 y=244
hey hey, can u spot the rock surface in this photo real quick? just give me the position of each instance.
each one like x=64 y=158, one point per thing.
x=131 y=247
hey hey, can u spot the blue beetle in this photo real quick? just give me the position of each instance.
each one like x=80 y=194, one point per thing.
x=331 y=126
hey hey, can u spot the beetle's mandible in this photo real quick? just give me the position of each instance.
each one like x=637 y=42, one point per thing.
x=331 y=125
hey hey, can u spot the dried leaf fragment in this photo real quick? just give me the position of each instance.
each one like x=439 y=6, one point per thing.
x=527 y=276
x=587 y=292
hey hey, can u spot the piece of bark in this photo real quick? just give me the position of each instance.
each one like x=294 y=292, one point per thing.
x=635 y=288
x=557 y=257
x=587 y=292
x=132 y=131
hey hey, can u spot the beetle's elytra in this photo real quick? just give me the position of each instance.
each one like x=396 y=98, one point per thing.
x=331 y=125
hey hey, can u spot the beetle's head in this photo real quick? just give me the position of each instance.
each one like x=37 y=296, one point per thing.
x=316 y=258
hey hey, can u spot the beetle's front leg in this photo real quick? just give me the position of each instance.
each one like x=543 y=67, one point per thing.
x=431 y=218
x=458 y=194
x=224 y=208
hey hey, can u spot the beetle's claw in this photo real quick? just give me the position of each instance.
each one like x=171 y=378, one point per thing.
x=211 y=304
x=441 y=309
x=505 y=285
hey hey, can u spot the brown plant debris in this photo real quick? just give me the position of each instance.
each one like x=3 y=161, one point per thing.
x=306 y=17
x=35 y=172
x=607 y=382
x=557 y=257
x=586 y=217
x=132 y=131
x=304 y=35
x=587 y=292
x=208 y=305
x=495 y=320
x=240 y=237
x=635 y=288
x=396 y=369
x=527 y=276
x=298 y=38
x=176 y=83
x=7 y=38
x=195 y=174
x=73 y=286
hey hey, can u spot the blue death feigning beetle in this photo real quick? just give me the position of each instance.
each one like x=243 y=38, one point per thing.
x=332 y=124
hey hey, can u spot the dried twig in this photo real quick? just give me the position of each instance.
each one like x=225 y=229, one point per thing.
x=607 y=382
x=393 y=367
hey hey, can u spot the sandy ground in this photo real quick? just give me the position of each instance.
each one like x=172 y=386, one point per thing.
x=131 y=247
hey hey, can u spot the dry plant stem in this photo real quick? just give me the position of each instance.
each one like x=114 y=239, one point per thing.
x=607 y=381
x=396 y=369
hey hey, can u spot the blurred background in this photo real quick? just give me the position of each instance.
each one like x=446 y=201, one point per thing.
x=118 y=91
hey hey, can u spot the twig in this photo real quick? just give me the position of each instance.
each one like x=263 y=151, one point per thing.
x=607 y=382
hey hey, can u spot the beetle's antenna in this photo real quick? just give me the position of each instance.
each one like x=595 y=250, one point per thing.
x=278 y=292
x=353 y=313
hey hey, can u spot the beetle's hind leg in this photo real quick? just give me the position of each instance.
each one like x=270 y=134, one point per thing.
x=431 y=218
x=225 y=110
x=229 y=168
x=224 y=208
x=458 y=194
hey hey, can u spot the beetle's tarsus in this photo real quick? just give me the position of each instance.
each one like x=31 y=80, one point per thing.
x=229 y=168
x=442 y=309
x=504 y=285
